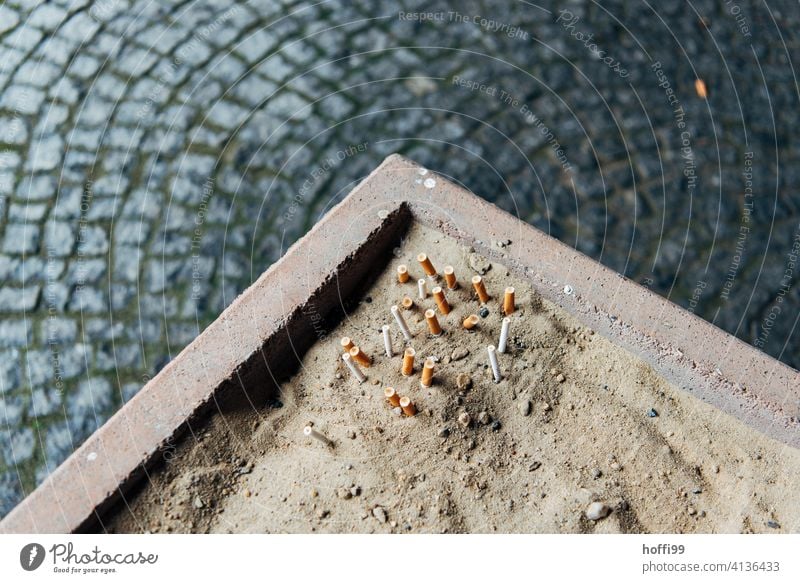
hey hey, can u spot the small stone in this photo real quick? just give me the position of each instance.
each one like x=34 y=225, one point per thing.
x=247 y=493
x=459 y=353
x=596 y=473
x=496 y=426
x=546 y=407
x=444 y=432
x=355 y=491
x=313 y=493
x=380 y=514
x=463 y=381
x=351 y=434
x=561 y=378
x=322 y=513
x=524 y=407
x=484 y=418
x=479 y=263
x=464 y=419
x=597 y=511
x=344 y=493
x=484 y=312
x=652 y=413
x=615 y=466
x=691 y=511
x=198 y=502
x=773 y=524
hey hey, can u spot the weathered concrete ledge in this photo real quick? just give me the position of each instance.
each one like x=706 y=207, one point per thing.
x=240 y=359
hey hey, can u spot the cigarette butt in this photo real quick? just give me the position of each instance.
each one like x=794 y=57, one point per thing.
x=471 y=321
x=358 y=355
x=401 y=323
x=422 y=285
x=426 y=264
x=408 y=361
x=402 y=273
x=407 y=406
x=433 y=322
x=427 y=373
x=407 y=303
x=387 y=340
x=501 y=347
x=346 y=343
x=480 y=289
x=700 y=87
x=495 y=365
x=348 y=360
x=311 y=432
x=450 y=277
x=391 y=396
x=508 y=301
x=441 y=301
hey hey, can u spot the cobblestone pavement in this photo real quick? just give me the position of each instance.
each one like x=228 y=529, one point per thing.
x=156 y=157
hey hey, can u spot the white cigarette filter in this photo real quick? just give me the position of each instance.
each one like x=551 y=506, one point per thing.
x=501 y=347
x=401 y=323
x=353 y=366
x=309 y=431
x=495 y=365
x=387 y=341
x=423 y=289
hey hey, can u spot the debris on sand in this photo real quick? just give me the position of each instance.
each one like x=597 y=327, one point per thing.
x=597 y=511
x=380 y=514
x=479 y=263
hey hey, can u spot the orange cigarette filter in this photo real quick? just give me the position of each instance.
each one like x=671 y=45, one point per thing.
x=480 y=289
x=358 y=355
x=392 y=396
x=508 y=301
x=450 y=277
x=408 y=407
x=471 y=321
x=426 y=264
x=427 y=373
x=441 y=301
x=402 y=273
x=408 y=361
x=700 y=87
x=433 y=322
x=347 y=343
x=407 y=303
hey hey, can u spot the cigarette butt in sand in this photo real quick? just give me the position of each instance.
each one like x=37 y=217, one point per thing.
x=441 y=301
x=427 y=373
x=407 y=303
x=407 y=406
x=426 y=264
x=501 y=346
x=346 y=343
x=408 y=361
x=402 y=273
x=358 y=355
x=401 y=323
x=348 y=360
x=480 y=289
x=450 y=277
x=391 y=396
x=433 y=322
x=311 y=432
x=495 y=365
x=422 y=285
x=387 y=340
x=700 y=88
x=508 y=302
x=471 y=321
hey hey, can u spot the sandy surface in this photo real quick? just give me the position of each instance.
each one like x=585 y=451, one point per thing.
x=568 y=426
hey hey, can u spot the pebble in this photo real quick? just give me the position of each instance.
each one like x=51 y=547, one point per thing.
x=773 y=524
x=198 y=502
x=546 y=407
x=652 y=413
x=596 y=473
x=464 y=419
x=380 y=514
x=525 y=407
x=484 y=418
x=344 y=493
x=444 y=432
x=355 y=491
x=459 y=353
x=463 y=381
x=247 y=493
x=322 y=513
x=351 y=434
x=616 y=467
x=313 y=493
x=691 y=511
x=496 y=426
x=561 y=378
x=597 y=511
x=484 y=312
x=479 y=263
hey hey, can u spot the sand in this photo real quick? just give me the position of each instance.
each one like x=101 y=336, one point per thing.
x=570 y=424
